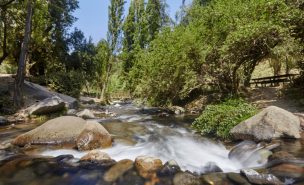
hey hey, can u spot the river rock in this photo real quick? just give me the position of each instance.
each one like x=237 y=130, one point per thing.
x=71 y=112
x=67 y=130
x=86 y=100
x=94 y=135
x=257 y=178
x=272 y=122
x=46 y=106
x=147 y=166
x=237 y=178
x=301 y=117
x=237 y=152
x=288 y=170
x=216 y=178
x=281 y=155
x=35 y=92
x=170 y=168
x=3 y=121
x=211 y=167
x=131 y=177
x=184 y=178
x=86 y=114
x=177 y=110
x=96 y=155
x=116 y=171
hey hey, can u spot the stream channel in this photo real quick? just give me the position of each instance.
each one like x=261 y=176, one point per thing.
x=136 y=131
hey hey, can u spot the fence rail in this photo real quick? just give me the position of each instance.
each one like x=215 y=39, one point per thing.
x=273 y=80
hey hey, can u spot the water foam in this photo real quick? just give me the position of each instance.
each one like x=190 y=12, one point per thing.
x=180 y=145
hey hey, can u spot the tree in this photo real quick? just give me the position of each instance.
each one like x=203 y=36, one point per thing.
x=19 y=81
x=115 y=23
x=5 y=53
x=8 y=19
x=157 y=17
x=102 y=60
x=141 y=23
x=129 y=29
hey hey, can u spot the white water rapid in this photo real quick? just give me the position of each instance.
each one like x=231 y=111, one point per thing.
x=191 y=152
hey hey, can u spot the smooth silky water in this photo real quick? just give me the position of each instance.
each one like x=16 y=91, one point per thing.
x=136 y=131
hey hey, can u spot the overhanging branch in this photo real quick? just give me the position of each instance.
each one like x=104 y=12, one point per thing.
x=6 y=4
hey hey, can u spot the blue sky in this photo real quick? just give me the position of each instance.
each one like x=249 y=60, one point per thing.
x=93 y=16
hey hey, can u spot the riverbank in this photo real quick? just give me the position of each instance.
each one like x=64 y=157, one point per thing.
x=186 y=157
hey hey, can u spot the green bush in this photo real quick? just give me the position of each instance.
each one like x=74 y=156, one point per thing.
x=69 y=83
x=217 y=120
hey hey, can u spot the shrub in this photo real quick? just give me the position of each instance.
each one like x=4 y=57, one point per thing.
x=69 y=83
x=217 y=120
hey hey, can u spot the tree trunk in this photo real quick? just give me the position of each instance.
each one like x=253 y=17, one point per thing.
x=248 y=70
x=19 y=81
x=104 y=93
x=4 y=47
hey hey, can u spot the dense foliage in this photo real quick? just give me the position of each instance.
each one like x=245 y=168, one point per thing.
x=218 y=48
x=219 y=119
x=213 y=47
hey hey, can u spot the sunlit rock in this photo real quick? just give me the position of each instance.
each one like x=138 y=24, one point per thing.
x=215 y=179
x=95 y=155
x=94 y=135
x=257 y=178
x=67 y=130
x=272 y=122
x=147 y=166
x=85 y=114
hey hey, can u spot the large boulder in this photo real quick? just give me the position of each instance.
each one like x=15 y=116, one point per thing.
x=67 y=130
x=301 y=117
x=46 y=106
x=34 y=92
x=93 y=136
x=272 y=122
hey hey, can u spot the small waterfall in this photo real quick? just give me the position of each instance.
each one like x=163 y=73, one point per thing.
x=189 y=151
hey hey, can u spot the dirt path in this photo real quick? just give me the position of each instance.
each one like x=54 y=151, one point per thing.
x=268 y=96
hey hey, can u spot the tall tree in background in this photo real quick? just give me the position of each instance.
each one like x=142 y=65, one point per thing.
x=141 y=31
x=156 y=17
x=128 y=43
x=19 y=81
x=115 y=24
x=4 y=17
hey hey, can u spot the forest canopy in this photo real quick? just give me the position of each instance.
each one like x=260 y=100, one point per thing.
x=212 y=46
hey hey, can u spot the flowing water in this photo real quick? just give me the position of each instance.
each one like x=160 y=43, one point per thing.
x=148 y=131
x=140 y=131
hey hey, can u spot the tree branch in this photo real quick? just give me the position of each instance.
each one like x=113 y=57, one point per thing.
x=6 y=4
